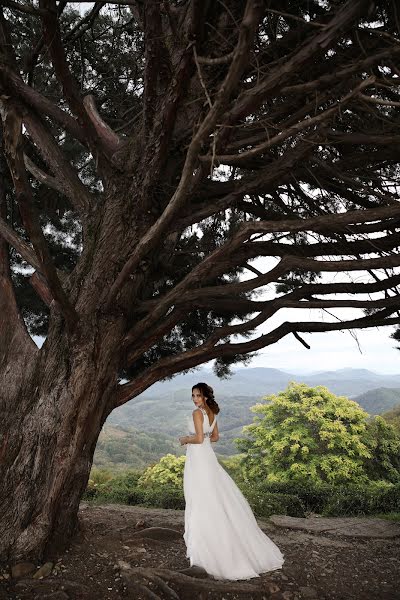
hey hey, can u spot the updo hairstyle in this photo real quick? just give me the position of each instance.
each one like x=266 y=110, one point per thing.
x=208 y=393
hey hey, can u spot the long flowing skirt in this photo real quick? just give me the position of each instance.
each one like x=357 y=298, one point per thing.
x=221 y=532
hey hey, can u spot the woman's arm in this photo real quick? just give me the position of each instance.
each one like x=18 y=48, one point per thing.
x=198 y=437
x=215 y=434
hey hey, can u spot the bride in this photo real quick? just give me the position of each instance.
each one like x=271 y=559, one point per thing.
x=221 y=532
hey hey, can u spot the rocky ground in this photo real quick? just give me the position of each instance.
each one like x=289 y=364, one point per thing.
x=134 y=553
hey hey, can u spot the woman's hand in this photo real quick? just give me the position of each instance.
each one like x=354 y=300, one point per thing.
x=182 y=440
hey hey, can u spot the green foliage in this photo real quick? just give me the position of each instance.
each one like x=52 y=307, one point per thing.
x=118 y=488
x=121 y=448
x=325 y=499
x=384 y=443
x=265 y=503
x=377 y=497
x=307 y=435
x=167 y=473
x=393 y=417
x=135 y=487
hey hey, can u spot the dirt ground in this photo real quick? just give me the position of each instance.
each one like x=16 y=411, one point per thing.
x=111 y=559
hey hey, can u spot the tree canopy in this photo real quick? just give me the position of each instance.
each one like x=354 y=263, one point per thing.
x=311 y=436
x=231 y=131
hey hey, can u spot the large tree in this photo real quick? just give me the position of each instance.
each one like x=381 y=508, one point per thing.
x=151 y=151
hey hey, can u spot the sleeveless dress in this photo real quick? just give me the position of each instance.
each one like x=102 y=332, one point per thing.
x=221 y=532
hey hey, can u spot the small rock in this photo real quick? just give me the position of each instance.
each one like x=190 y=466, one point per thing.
x=141 y=524
x=287 y=596
x=308 y=593
x=44 y=570
x=272 y=588
x=123 y=565
x=22 y=569
x=56 y=596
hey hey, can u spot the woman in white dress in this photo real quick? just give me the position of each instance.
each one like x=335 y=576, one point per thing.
x=221 y=532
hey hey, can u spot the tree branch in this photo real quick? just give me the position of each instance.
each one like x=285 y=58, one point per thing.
x=65 y=175
x=41 y=176
x=14 y=150
x=109 y=137
x=192 y=358
x=54 y=44
x=19 y=244
x=251 y=17
x=14 y=84
x=238 y=159
x=280 y=76
x=24 y=8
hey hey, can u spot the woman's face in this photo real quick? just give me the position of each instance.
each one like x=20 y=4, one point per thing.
x=197 y=397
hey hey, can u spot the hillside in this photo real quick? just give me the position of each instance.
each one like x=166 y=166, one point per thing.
x=120 y=448
x=379 y=400
x=393 y=417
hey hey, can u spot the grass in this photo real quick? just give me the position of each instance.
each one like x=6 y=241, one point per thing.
x=393 y=516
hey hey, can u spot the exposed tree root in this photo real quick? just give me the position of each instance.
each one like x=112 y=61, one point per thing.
x=188 y=587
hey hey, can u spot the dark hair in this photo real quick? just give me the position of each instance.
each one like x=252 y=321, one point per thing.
x=208 y=393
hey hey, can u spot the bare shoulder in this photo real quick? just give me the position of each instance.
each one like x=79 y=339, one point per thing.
x=198 y=412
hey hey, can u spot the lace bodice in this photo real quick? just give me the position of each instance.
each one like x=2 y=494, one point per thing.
x=207 y=428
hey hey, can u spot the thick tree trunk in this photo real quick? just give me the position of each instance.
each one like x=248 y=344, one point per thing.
x=53 y=415
x=50 y=440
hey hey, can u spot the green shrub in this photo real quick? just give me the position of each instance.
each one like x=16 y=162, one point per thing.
x=312 y=498
x=363 y=500
x=120 y=488
x=168 y=473
x=265 y=503
x=163 y=497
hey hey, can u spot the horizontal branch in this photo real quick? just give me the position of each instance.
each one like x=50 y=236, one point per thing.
x=328 y=79
x=231 y=302
x=291 y=263
x=216 y=263
x=221 y=60
x=192 y=358
x=238 y=159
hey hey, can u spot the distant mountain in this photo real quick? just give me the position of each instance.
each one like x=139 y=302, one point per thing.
x=259 y=381
x=377 y=401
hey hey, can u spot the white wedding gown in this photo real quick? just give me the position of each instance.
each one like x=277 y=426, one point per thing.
x=221 y=532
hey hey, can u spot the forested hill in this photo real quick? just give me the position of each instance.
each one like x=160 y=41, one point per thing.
x=378 y=401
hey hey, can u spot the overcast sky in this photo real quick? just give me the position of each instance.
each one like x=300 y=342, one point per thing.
x=371 y=349
x=334 y=350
